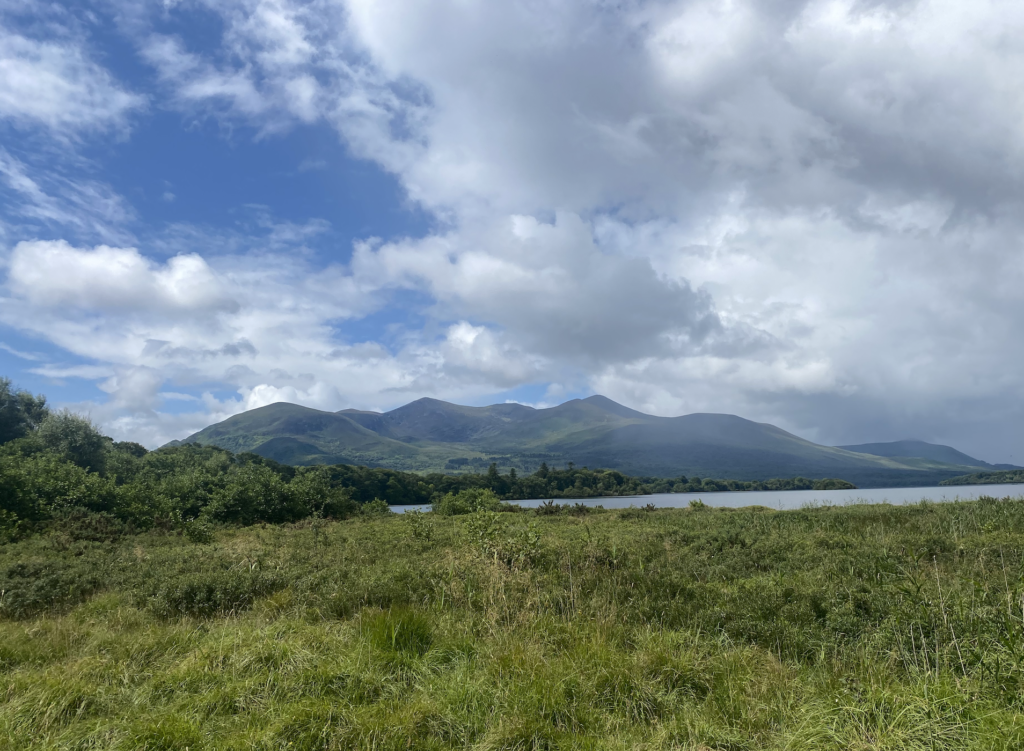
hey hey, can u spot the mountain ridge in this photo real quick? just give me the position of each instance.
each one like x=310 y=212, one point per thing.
x=433 y=435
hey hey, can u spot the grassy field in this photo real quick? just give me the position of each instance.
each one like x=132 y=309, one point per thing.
x=864 y=627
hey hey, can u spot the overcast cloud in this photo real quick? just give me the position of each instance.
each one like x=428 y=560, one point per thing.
x=803 y=212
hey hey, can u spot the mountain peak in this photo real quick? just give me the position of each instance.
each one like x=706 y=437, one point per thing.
x=608 y=405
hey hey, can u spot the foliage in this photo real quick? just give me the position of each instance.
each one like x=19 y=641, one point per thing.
x=466 y=502
x=58 y=463
x=20 y=412
x=503 y=540
x=74 y=439
x=376 y=507
x=1010 y=476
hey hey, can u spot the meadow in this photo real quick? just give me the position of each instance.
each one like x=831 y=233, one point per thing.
x=860 y=627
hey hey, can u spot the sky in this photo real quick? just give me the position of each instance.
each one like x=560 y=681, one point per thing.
x=803 y=212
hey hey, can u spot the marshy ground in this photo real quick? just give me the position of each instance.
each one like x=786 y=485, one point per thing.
x=862 y=627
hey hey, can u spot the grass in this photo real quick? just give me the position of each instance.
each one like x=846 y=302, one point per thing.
x=861 y=627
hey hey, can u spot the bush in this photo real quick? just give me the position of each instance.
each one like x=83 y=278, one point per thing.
x=313 y=493
x=513 y=545
x=20 y=412
x=75 y=439
x=466 y=502
x=43 y=485
x=376 y=507
x=207 y=593
x=253 y=493
x=31 y=587
x=78 y=524
x=199 y=531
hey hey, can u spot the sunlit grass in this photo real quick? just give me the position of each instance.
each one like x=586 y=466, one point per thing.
x=835 y=628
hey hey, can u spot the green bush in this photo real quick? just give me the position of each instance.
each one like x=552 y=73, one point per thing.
x=199 y=531
x=466 y=502
x=74 y=439
x=513 y=544
x=376 y=507
x=207 y=593
x=34 y=586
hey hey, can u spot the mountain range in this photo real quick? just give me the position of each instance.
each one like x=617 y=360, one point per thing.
x=432 y=435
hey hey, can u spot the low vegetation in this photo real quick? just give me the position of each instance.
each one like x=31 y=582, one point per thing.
x=1007 y=477
x=564 y=627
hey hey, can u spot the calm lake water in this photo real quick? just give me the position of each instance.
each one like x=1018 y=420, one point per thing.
x=789 y=499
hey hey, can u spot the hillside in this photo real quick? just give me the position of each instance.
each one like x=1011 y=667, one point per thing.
x=917 y=449
x=429 y=434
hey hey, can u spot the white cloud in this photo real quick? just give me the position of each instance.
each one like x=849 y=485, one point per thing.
x=805 y=212
x=50 y=275
x=54 y=83
x=262 y=324
x=44 y=197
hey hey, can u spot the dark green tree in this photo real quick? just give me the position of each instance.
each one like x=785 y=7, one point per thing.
x=20 y=412
x=74 y=438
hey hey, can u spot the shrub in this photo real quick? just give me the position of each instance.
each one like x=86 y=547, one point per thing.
x=511 y=544
x=199 y=531
x=207 y=593
x=20 y=412
x=75 y=439
x=31 y=587
x=419 y=527
x=376 y=507
x=77 y=524
x=466 y=502
x=253 y=493
x=312 y=493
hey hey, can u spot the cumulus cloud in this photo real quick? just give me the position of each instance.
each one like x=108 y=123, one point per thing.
x=261 y=324
x=804 y=212
x=55 y=275
x=550 y=288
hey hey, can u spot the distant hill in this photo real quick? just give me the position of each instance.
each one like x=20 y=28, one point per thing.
x=931 y=451
x=918 y=449
x=432 y=435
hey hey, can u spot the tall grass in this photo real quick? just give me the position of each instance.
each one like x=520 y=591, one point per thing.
x=863 y=627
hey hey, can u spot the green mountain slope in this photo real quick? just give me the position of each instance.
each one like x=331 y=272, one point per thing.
x=919 y=450
x=429 y=434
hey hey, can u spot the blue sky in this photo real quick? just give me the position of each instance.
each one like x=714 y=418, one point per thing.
x=804 y=213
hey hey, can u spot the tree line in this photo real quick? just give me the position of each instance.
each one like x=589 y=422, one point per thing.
x=56 y=464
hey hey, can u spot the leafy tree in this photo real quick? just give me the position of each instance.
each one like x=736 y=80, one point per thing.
x=313 y=493
x=376 y=507
x=38 y=486
x=131 y=447
x=254 y=493
x=20 y=412
x=75 y=439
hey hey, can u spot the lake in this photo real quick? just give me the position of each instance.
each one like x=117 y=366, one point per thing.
x=787 y=499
